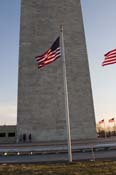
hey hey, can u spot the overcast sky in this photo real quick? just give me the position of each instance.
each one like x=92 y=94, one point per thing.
x=100 y=30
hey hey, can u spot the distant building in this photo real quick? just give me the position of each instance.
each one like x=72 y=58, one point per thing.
x=8 y=134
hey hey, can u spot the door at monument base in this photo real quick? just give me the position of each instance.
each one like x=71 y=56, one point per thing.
x=41 y=100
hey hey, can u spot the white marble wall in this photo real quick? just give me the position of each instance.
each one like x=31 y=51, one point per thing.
x=41 y=109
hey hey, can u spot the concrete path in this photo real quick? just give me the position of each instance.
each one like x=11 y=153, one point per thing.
x=58 y=157
x=50 y=152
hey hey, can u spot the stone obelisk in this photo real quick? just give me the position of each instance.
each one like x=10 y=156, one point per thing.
x=41 y=102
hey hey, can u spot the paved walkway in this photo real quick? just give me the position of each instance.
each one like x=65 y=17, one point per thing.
x=58 y=157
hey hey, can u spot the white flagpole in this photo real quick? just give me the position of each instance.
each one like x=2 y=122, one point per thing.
x=114 y=125
x=105 y=129
x=66 y=97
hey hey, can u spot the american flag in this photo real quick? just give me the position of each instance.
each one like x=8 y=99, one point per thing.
x=50 y=55
x=110 y=58
x=102 y=121
x=111 y=120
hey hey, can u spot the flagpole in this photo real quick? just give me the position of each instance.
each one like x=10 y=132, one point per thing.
x=66 y=96
x=105 y=129
x=114 y=125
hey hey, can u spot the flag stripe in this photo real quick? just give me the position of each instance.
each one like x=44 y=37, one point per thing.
x=102 y=121
x=49 y=61
x=43 y=64
x=110 y=55
x=110 y=52
x=107 y=63
x=111 y=120
x=47 y=53
x=42 y=54
x=52 y=59
x=50 y=55
x=49 y=58
x=110 y=58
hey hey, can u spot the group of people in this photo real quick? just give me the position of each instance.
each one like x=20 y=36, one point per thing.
x=25 y=138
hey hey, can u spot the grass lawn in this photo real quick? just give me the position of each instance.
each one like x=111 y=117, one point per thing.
x=78 y=168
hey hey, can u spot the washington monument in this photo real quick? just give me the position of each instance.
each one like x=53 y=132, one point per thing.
x=41 y=102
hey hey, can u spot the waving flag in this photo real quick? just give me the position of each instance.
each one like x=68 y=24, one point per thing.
x=50 y=55
x=111 y=120
x=110 y=58
x=102 y=121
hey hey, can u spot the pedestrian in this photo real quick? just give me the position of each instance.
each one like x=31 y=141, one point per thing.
x=24 y=137
x=29 y=137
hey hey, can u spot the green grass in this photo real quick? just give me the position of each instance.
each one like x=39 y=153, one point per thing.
x=78 y=168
